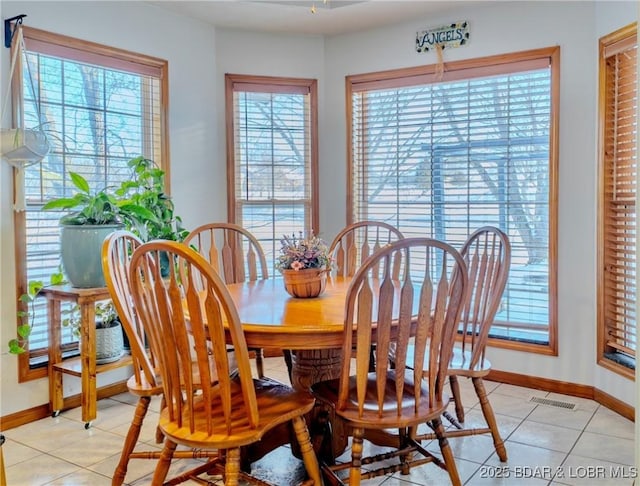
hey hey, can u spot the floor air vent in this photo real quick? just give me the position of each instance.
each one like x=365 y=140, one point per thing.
x=553 y=403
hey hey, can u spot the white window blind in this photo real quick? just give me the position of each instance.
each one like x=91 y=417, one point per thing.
x=442 y=158
x=273 y=159
x=619 y=107
x=98 y=112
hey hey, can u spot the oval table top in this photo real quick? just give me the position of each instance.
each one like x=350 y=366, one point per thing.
x=271 y=318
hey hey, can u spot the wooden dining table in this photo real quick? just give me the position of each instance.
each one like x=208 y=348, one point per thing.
x=312 y=330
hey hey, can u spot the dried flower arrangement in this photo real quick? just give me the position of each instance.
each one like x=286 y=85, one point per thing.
x=299 y=253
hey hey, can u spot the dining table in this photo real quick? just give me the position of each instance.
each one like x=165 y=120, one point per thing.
x=312 y=328
x=311 y=331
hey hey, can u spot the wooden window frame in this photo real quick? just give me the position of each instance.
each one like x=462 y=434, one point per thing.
x=609 y=45
x=272 y=84
x=89 y=52
x=464 y=69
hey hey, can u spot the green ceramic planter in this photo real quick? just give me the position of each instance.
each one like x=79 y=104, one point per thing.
x=81 y=247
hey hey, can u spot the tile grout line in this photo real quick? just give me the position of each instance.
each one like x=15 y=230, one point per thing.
x=574 y=444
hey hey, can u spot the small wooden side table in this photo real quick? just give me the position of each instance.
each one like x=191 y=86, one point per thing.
x=83 y=366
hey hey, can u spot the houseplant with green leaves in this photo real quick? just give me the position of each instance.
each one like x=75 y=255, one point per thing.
x=94 y=215
x=147 y=189
x=18 y=345
x=140 y=204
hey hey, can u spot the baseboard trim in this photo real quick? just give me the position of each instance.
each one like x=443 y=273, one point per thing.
x=24 y=417
x=545 y=384
x=41 y=411
x=566 y=388
x=614 y=404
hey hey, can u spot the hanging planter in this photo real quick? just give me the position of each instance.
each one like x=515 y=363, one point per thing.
x=22 y=147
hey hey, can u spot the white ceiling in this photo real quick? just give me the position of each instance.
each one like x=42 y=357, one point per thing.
x=331 y=18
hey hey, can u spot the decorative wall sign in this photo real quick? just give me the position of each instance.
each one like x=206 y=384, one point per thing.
x=452 y=35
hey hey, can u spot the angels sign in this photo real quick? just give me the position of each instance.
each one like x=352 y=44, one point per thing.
x=452 y=35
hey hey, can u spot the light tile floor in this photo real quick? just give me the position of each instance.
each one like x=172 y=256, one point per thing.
x=546 y=445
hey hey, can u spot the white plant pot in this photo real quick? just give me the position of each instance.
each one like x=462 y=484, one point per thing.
x=109 y=344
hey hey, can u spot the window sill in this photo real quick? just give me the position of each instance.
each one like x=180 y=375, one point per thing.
x=621 y=366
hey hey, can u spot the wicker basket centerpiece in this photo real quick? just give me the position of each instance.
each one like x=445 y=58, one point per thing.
x=304 y=263
x=305 y=283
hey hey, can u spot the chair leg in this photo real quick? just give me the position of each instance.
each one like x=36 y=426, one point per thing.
x=308 y=454
x=260 y=362
x=405 y=436
x=447 y=453
x=162 y=468
x=455 y=392
x=130 y=440
x=159 y=434
x=355 y=470
x=490 y=418
x=232 y=467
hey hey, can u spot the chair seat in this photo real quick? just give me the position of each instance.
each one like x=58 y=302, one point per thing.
x=370 y=419
x=143 y=388
x=278 y=403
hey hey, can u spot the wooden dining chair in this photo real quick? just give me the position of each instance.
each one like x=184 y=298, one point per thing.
x=116 y=252
x=186 y=316
x=487 y=253
x=145 y=383
x=423 y=304
x=356 y=242
x=236 y=255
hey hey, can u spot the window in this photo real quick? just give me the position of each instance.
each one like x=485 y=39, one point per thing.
x=272 y=157
x=100 y=107
x=618 y=111
x=442 y=156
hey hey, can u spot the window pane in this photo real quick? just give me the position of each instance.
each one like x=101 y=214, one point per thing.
x=269 y=223
x=618 y=224
x=96 y=119
x=444 y=159
x=272 y=163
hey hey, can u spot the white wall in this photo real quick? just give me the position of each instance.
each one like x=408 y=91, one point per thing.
x=496 y=29
x=189 y=46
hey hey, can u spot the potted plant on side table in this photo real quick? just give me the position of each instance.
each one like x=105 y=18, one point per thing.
x=109 y=340
x=140 y=204
x=96 y=215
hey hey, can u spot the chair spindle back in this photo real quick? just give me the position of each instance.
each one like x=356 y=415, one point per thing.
x=185 y=314
x=231 y=250
x=487 y=253
x=117 y=250
x=355 y=243
x=424 y=304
